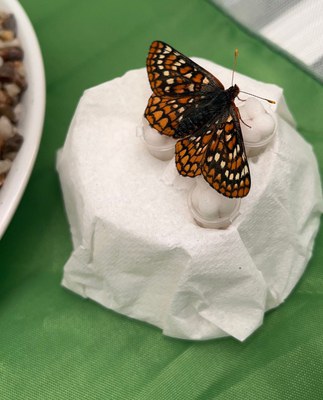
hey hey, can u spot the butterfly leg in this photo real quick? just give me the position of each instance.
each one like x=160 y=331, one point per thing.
x=241 y=99
x=239 y=115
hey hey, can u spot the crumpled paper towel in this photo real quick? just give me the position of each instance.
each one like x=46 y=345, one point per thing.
x=138 y=251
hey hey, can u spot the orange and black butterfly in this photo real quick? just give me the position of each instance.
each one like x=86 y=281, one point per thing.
x=191 y=105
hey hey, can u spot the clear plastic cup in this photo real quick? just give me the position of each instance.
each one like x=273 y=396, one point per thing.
x=218 y=211
x=256 y=147
x=158 y=145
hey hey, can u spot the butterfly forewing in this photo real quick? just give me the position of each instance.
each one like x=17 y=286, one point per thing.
x=179 y=85
x=190 y=153
x=172 y=73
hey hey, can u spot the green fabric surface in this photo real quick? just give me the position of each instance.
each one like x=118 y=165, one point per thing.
x=56 y=345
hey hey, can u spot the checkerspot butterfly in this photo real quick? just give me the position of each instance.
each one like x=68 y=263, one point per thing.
x=191 y=105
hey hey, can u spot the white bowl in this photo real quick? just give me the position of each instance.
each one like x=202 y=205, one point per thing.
x=32 y=118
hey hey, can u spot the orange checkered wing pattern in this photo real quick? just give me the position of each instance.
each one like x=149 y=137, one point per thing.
x=190 y=104
x=178 y=85
x=217 y=152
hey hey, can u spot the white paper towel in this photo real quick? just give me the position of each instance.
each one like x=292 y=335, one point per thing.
x=138 y=251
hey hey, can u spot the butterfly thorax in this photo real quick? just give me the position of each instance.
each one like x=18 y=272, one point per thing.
x=233 y=92
x=223 y=98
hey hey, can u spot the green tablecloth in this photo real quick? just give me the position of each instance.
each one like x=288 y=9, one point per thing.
x=55 y=345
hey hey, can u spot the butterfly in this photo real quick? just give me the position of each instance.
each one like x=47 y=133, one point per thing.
x=188 y=103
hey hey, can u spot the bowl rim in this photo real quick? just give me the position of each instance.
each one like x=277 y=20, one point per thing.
x=31 y=122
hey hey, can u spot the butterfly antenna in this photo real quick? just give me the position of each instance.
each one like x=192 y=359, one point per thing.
x=236 y=53
x=262 y=98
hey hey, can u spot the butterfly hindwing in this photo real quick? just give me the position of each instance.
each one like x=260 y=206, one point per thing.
x=165 y=113
x=190 y=153
x=178 y=117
